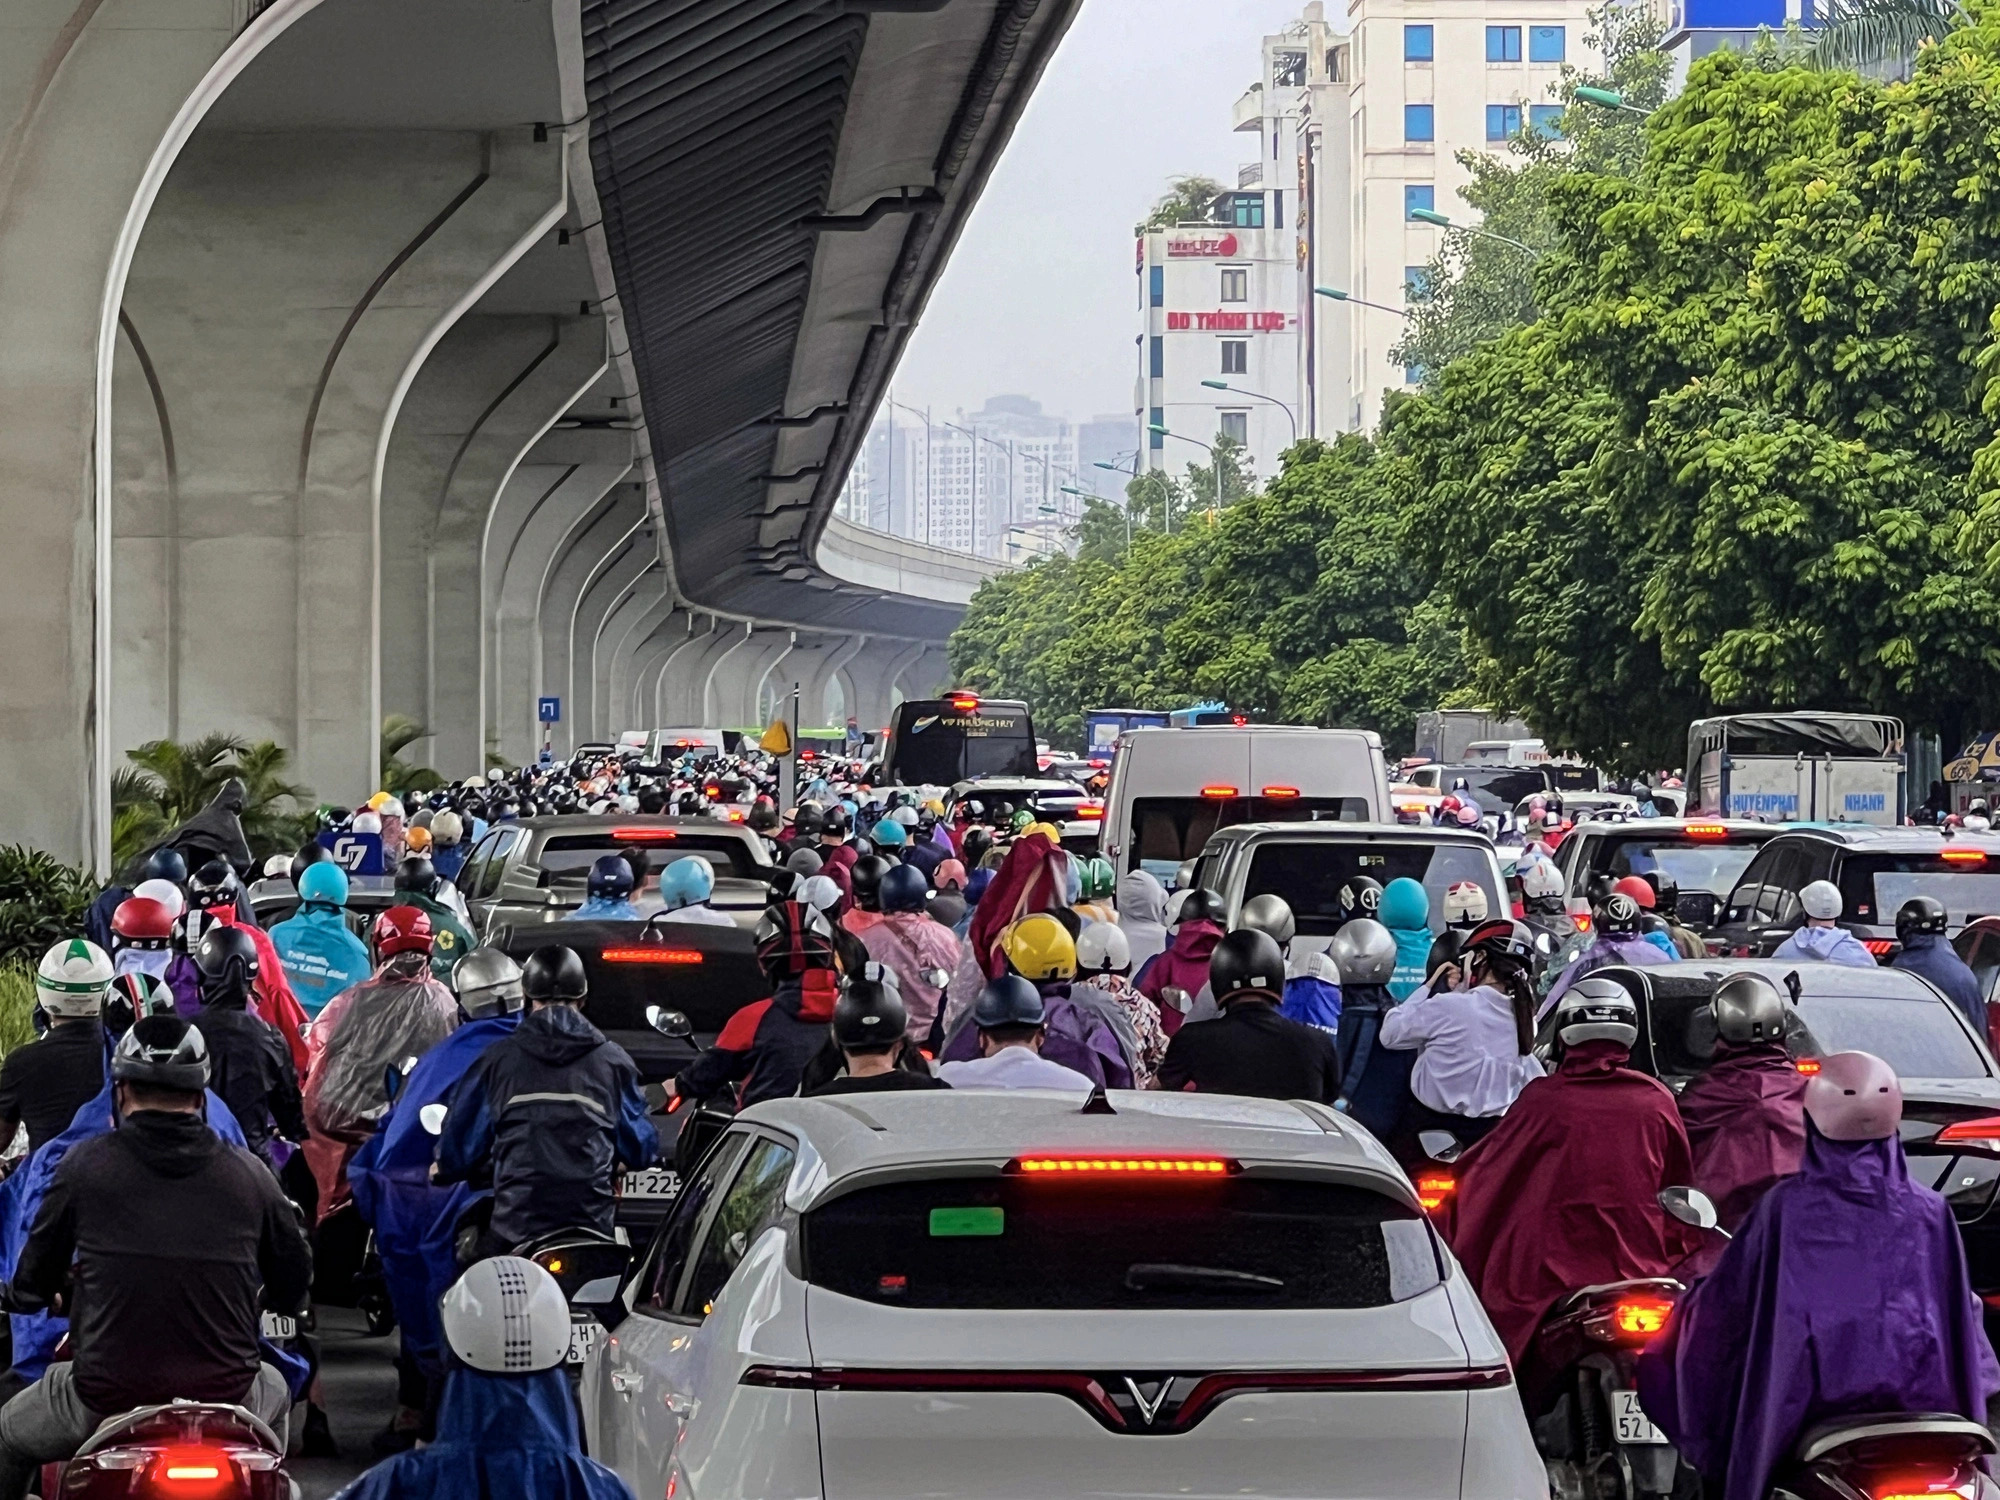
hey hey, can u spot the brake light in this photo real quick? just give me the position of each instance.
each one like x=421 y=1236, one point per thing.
x=1582 y=919
x=1089 y=812
x=674 y=1104
x=1125 y=1166
x=1239 y=720
x=649 y=955
x=644 y=835
x=736 y=815
x=713 y=789
x=1880 y=947
x=1984 y=1133
x=1641 y=1317
x=1218 y=793
x=1281 y=793
x=1964 y=856
x=1918 y=1489
x=1808 y=1066
x=1433 y=1188
x=965 y=703
x=1705 y=831
x=192 y=1465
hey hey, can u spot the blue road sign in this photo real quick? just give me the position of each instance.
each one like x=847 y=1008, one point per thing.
x=549 y=710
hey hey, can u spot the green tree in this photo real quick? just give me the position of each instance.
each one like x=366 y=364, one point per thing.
x=1189 y=200
x=1881 y=35
x=399 y=732
x=42 y=901
x=168 y=782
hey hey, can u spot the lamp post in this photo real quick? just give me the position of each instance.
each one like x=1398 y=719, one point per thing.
x=1213 y=458
x=1443 y=221
x=930 y=463
x=1070 y=489
x=1612 y=99
x=1223 y=385
x=977 y=439
x=1339 y=296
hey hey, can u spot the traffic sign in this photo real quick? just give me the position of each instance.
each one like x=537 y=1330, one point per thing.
x=549 y=710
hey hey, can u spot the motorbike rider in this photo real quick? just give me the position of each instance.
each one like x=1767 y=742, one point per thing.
x=763 y=1049
x=1312 y=988
x=1011 y=1020
x=1374 y=1080
x=320 y=955
x=215 y=896
x=245 y=1058
x=1822 y=938
x=946 y=905
x=552 y=1113
x=1474 y=1042
x=1687 y=943
x=1142 y=906
x=909 y=942
x=685 y=888
x=1084 y=1029
x=1104 y=966
x=1920 y=928
x=417 y=885
x=142 y=937
x=871 y=1028
x=1250 y=1048
x=158 y=864
x=864 y=879
x=44 y=1082
x=448 y=845
x=1175 y=979
x=1542 y=905
x=837 y=855
x=1405 y=910
x=608 y=893
x=1618 y=939
x=507 y=1427
x=1562 y=1193
x=1844 y=1293
x=160 y=1237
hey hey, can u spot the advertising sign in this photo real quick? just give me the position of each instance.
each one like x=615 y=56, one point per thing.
x=1200 y=245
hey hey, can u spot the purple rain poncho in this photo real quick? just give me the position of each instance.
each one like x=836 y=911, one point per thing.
x=1845 y=1293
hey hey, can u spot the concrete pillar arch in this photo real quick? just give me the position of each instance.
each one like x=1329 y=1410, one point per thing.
x=924 y=677
x=833 y=669
x=651 y=644
x=607 y=588
x=649 y=603
x=875 y=674
x=684 y=684
x=721 y=697
x=568 y=576
x=665 y=703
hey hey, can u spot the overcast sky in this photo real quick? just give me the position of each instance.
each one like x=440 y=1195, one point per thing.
x=1039 y=299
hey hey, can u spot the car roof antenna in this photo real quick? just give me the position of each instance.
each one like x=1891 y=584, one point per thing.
x=1097 y=1103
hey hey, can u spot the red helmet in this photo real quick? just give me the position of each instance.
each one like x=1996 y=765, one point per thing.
x=402 y=929
x=1639 y=890
x=141 y=919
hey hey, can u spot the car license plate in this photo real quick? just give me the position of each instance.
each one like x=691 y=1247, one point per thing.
x=277 y=1327
x=582 y=1341
x=653 y=1182
x=1631 y=1420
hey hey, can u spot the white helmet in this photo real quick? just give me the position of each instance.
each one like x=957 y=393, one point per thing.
x=1101 y=948
x=1822 y=900
x=278 y=867
x=495 y=776
x=447 y=828
x=1464 y=904
x=905 y=815
x=819 y=892
x=393 y=808
x=1540 y=879
x=365 y=822
x=73 y=978
x=507 y=1316
x=628 y=803
x=167 y=894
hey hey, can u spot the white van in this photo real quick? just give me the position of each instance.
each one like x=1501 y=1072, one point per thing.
x=1171 y=788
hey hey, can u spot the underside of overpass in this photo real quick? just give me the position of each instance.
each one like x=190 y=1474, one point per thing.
x=370 y=358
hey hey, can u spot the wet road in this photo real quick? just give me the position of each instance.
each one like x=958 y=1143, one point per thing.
x=359 y=1382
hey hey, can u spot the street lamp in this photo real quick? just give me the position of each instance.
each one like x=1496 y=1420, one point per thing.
x=1612 y=99
x=1339 y=296
x=1223 y=385
x=1432 y=216
x=1070 y=489
x=1213 y=458
x=930 y=460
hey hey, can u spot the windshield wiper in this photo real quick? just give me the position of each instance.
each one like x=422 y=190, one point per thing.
x=1153 y=1275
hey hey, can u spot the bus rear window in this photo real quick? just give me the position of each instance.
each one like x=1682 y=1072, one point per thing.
x=933 y=743
x=1169 y=830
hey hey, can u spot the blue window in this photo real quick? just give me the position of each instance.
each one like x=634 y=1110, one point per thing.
x=1159 y=286
x=1157 y=418
x=1503 y=44
x=1418 y=44
x=1502 y=121
x=1546 y=120
x=1157 y=360
x=1418 y=195
x=1416 y=284
x=1419 y=123
x=1545 y=44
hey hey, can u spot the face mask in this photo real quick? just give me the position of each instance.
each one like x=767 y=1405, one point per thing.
x=151 y=961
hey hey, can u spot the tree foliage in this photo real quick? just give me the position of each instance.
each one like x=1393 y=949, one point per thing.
x=399 y=732
x=168 y=782
x=1188 y=200
x=42 y=901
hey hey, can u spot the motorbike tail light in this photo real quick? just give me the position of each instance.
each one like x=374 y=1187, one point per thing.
x=645 y=955
x=1582 y=920
x=1090 y=812
x=1641 y=1317
x=192 y=1466
x=1808 y=1066
x=1908 y=1488
x=1983 y=1133
x=1880 y=947
x=674 y=1104
x=1125 y=1166
x=1433 y=1188
x=119 y=1458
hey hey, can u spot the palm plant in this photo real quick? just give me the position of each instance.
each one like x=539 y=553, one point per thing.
x=41 y=901
x=1881 y=35
x=401 y=777
x=168 y=782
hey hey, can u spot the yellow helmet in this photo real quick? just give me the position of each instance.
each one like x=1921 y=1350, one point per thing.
x=376 y=802
x=1039 y=947
x=1053 y=833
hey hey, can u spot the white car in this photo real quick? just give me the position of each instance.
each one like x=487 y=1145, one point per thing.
x=1004 y=1294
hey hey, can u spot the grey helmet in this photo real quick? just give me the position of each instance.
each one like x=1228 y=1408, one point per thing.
x=1271 y=915
x=1364 y=952
x=1748 y=1008
x=488 y=984
x=1597 y=1010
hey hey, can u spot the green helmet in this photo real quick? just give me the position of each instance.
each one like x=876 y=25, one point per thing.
x=1020 y=820
x=1099 y=879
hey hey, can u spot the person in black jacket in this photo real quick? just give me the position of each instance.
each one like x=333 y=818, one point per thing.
x=250 y=1063
x=44 y=1083
x=764 y=1048
x=163 y=1243
x=1250 y=1048
x=551 y=1114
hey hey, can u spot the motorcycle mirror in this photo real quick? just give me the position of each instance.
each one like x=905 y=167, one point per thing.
x=669 y=1023
x=1690 y=1206
x=431 y=1117
x=1184 y=876
x=1439 y=1145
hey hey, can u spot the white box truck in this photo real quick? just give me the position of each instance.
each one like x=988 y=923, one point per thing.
x=1798 y=768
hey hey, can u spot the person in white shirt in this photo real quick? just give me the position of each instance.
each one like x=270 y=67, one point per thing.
x=1473 y=1042
x=1010 y=1015
x=1823 y=938
x=685 y=886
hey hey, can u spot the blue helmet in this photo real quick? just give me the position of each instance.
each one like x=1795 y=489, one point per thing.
x=888 y=834
x=323 y=882
x=610 y=879
x=903 y=889
x=688 y=881
x=1405 y=904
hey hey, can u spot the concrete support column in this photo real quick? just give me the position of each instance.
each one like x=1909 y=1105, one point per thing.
x=925 y=677
x=606 y=589
x=684 y=684
x=626 y=628
x=612 y=532
x=667 y=703
x=875 y=674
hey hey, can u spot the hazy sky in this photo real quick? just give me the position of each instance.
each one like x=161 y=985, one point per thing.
x=1039 y=299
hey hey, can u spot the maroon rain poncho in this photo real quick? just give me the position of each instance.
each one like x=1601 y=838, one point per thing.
x=1746 y=1125
x=1562 y=1194
x=1183 y=966
x=1844 y=1294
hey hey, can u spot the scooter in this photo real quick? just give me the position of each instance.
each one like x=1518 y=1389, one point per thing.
x=591 y=1271
x=706 y=1119
x=186 y=1448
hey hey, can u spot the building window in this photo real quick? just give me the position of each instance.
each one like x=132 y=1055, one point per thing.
x=1277 y=208
x=1416 y=284
x=1235 y=284
x=1503 y=44
x=1157 y=361
x=1419 y=123
x=1418 y=195
x=1546 y=120
x=1502 y=121
x=1545 y=44
x=1235 y=357
x=1158 y=282
x=1288 y=70
x=1236 y=427
x=1418 y=44
x=1246 y=210
x=1155 y=420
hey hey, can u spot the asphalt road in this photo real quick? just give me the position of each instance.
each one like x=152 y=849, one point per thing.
x=358 y=1379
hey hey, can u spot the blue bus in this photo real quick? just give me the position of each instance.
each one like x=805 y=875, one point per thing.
x=1102 y=726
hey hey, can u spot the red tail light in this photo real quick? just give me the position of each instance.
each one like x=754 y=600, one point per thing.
x=648 y=955
x=736 y=815
x=1125 y=1166
x=674 y=1104
x=1433 y=1188
x=1880 y=947
x=1964 y=856
x=1089 y=812
x=1944 y=1487
x=1218 y=793
x=1281 y=793
x=1705 y=831
x=965 y=703
x=1808 y=1066
x=193 y=1466
x=1582 y=919
x=1239 y=720
x=1641 y=1317
x=644 y=835
x=1983 y=1133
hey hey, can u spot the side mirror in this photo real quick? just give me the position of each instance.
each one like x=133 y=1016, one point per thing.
x=1439 y=1145
x=669 y=1023
x=431 y=1117
x=1690 y=1205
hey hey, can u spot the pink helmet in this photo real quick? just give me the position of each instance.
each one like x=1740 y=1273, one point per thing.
x=1855 y=1096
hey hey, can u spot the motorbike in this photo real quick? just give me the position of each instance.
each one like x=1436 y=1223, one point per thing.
x=705 y=1120
x=1890 y=1456
x=590 y=1268
x=1584 y=1408
x=206 y=1449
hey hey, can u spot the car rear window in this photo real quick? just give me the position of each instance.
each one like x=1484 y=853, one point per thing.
x=567 y=857
x=1495 y=789
x=1011 y=1242
x=1169 y=830
x=1310 y=873
x=1711 y=865
x=1874 y=885
x=1918 y=1036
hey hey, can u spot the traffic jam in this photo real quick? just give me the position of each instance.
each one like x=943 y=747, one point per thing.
x=1213 y=1107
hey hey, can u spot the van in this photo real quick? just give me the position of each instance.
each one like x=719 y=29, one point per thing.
x=1172 y=788
x=1799 y=767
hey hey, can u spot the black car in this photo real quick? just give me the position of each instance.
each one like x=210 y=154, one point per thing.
x=1877 y=870
x=1951 y=1085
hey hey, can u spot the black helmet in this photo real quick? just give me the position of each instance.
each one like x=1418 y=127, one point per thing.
x=417 y=874
x=1920 y=914
x=308 y=855
x=792 y=938
x=763 y=815
x=1618 y=915
x=1009 y=1000
x=214 y=884
x=1666 y=893
x=610 y=878
x=866 y=878
x=1246 y=964
x=835 y=821
x=903 y=888
x=869 y=1015
x=162 y=1052
x=226 y=960
x=1205 y=904
x=1446 y=948
x=807 y=822
x=978 y=843
x=163 y=864
x=554 y=973
x=1360 y=896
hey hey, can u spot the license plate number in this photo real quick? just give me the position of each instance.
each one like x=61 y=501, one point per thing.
x=582 y=1342
x=1631 y=1421
x=277 y=1327
x=653 y=1182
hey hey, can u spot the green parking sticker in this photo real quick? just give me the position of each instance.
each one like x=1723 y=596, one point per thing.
x=961 y=1223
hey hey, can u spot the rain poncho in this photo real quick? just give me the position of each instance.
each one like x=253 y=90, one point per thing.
x=1833 y=945
x=1405 y=911
x=1375 y=1081
x=271 y=997
x=1746 y=1125
x=1142 y=909
x=1312 y=996
x=606 y=909
x=216 y=830
x=1183 y=965
x=1032 y=878
x=320 y=956
x=1077 y=1038
x=912 y=945
x=411 y=1216
x=1929 y=956
x=451 y=940
x=1845 y=1293
x=1562 y=1194
x=401 y=1012
x=1601 y=953
x=499 y=1437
